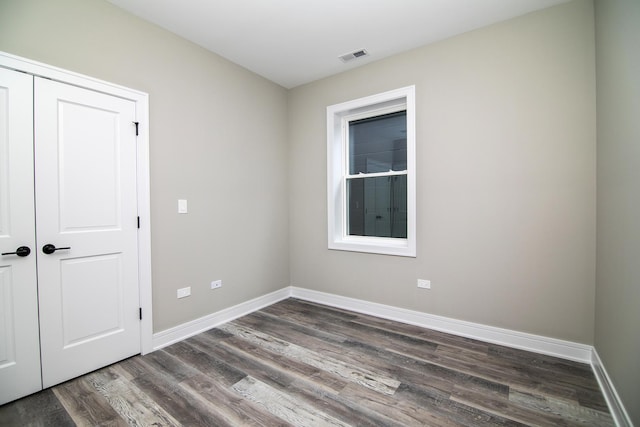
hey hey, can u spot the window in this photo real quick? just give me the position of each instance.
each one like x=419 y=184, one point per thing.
x=371 y=174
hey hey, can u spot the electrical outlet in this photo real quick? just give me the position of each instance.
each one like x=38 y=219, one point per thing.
x=216 y=284
x=424 y=284
x=184 y=292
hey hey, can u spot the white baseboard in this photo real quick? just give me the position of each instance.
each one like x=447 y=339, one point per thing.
x=194 y=327
x=535 y=343
x=618 y=411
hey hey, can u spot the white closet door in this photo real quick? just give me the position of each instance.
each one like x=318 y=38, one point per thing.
x=19 y=340
x=85 y=156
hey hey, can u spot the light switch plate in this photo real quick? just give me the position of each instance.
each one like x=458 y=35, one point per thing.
x=182 y=206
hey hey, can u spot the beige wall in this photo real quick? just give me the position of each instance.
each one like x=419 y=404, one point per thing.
x=617 y=339
x=218 y=139
x=505 y=178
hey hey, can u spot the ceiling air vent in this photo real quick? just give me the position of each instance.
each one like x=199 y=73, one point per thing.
x=353 y=55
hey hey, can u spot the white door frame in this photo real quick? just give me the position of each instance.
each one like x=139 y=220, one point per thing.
x=143 y=185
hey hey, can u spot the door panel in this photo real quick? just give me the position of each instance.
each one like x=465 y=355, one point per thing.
x=85 y=152
x=88 y=169
x=19 y=340
x=101 y=297
x=7 y=327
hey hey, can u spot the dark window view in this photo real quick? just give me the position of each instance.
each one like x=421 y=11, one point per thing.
x=377 y=205
x=378 y=144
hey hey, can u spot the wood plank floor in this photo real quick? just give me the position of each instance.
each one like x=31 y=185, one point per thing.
x=302 y=364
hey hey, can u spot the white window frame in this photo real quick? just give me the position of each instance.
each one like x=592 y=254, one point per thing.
x=338 y=117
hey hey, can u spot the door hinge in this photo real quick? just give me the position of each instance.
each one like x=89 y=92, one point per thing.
x=140 y=312
x=136 y=123
x=138 y=222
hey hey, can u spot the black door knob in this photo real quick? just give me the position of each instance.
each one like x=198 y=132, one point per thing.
x=21 y=251
x=49 y=248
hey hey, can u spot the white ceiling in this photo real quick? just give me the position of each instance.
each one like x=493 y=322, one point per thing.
x=293 y=42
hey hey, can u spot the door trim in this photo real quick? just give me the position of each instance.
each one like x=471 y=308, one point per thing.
x=141 y=100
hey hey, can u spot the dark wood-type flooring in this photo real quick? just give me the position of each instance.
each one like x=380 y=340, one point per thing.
x=304 y=364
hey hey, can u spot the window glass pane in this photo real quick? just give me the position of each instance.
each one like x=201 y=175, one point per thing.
x=377 y=206
x=378 y=144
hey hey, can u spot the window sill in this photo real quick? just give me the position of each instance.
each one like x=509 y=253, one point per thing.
x=375 y=245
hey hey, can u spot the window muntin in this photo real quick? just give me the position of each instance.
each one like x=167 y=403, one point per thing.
x=371 y=174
